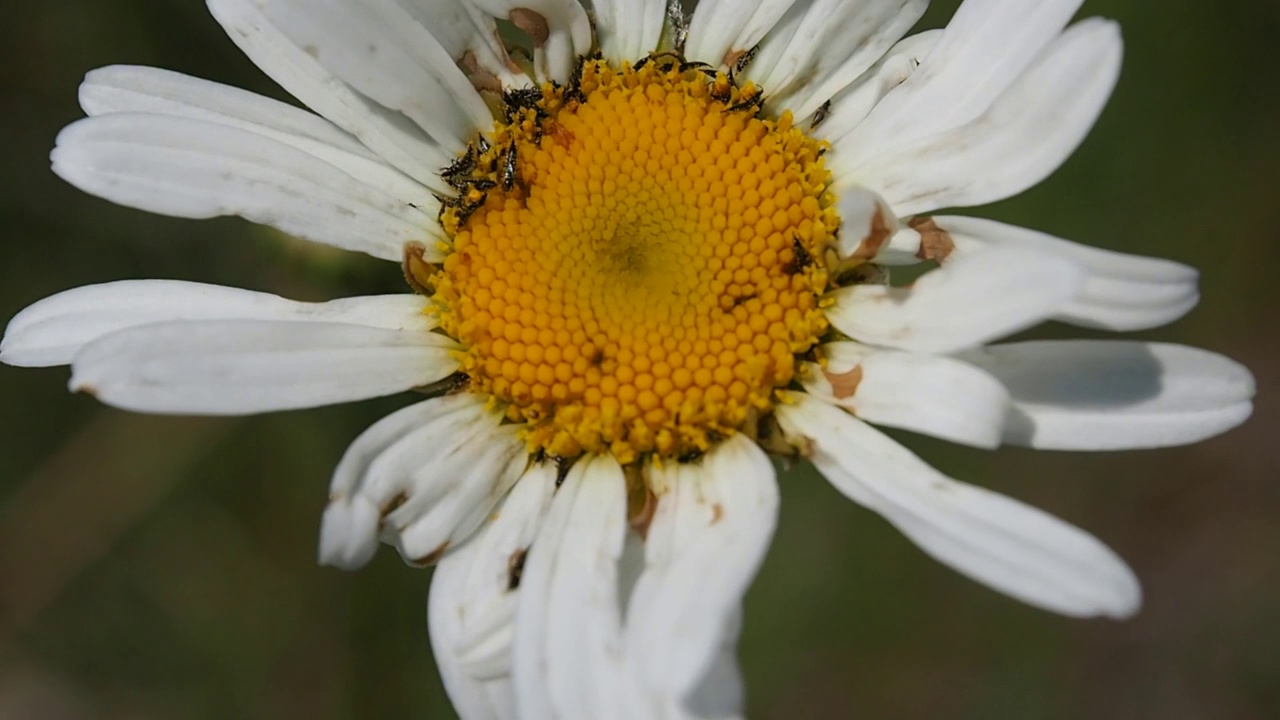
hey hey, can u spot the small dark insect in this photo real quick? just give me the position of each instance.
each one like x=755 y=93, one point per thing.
x=801 y=260
x=721 y=89
x=691 y=456
x=509 y=168
x=563 y=465
x=460 y=166
x=745 y=59
x=482 y=144
x=742 y=299
x=515 y=568
x=642 y=62
x=679 y=23
x=820 y=115
x=691 y=64
x=522 y=99
x=755 y=103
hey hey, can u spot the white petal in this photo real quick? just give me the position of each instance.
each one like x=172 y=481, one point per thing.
x=51 y=331
x=471 y=38
x=379 y=49
x=1120 y=292
x=133 y=89
x=629 y=29
x=709 y=534
x=852 y=105
x=968 y=302
x=241 y=367
x=568 y=659
x=494 y=573
x=391 y=135
x=196 y=169
x=560 y=31
x=987 y=46
x=721 y=29
x=473 y=699
x=821 y=46
x=934 y=395
x=1025 y=135
x=1014 y=548
x=349 y=531
x=866 y=224
x=1112 y=395
x=434 y=471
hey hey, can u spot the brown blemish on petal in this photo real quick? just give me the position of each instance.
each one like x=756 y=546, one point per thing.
x=479 y=76
x=935 y=243
x=515 y=568
x=394 y=503
x=532 y=23
x=433 y=557
x=876 y=238
x=844 y=385
x=90 y=390
x=417 y=271
x=717 y=513
x=642 y=503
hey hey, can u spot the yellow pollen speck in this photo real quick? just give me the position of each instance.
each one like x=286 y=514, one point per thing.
x=637 y=260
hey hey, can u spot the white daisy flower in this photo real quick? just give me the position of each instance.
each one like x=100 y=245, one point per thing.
x=648 y=253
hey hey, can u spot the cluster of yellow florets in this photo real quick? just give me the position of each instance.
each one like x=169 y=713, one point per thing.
x=644 y=263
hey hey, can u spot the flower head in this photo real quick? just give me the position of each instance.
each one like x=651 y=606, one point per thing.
x=647 y=252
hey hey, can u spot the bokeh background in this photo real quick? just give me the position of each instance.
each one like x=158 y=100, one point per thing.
x=164 y=568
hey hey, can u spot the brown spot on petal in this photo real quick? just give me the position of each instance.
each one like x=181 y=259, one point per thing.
x=479 y=76
x=515 y=568
x=878 y=235
x=532 y=23
x=433 y=557
x=717 y=513
x=394 y=503
x=845 y=385
x=642 y=503
x=935 y=243
x=417 y=271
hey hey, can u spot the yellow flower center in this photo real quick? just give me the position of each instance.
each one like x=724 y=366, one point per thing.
x=637 y=259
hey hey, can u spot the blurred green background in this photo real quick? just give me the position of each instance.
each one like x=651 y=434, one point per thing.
x=164 y=568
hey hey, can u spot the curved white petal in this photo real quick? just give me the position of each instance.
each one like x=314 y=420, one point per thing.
x=471 y=38
x=987 y=46
x=432 y=472
x=866 y=224
x=389 y=134
x=134 y=89
x=196 y=169
x=821 y=46
x=1120 y=292
x=241 y=367
x=629 y=29
x=1113 y=395
x=720 y=30
x=1025 y=135
x=709 y=534
x=937 y=396
x=560 y=31
x=568 y=659
x=1014 y=548
x=473 y=699
x=51 y=331
x=851 y=106
x=965 y=303
x=378 y=48
x=495 y=571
